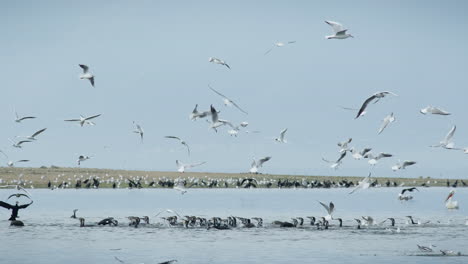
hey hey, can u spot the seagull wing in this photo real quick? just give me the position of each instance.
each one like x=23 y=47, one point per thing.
x=450 y=134
x=238 y=107
x=72 y=120
x=437 y=111
x=84 y=67
x=268 y=51
x=91 y=117
x=283 y=132
x=195 y=164
x=341 y=156
x=364 y=105
x=385 y=123
x=23 y=141
x=263 y=160
x=26 y=117
x=214 y=114
x=337 y=27
x=326 y=207
x=38 y=132
x=220 y=94
x=92 y=81
x=173 y=137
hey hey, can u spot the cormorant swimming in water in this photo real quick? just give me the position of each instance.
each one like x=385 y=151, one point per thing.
x=74 y=213
x=14 y=209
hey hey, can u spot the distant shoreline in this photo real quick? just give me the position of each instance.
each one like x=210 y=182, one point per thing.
x=40 y=177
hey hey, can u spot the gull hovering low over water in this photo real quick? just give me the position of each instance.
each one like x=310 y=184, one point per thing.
x=447 y=142
x=181 y=142
x=33 y=136
x=86 y=75
x=386 y=121
x=402 y=166
x=363 y=184
x=138 y=130
x=218 y=61
x=281 y=139
x=434 y=111
x=227 y=101
x=279 y=45
x=181 y=167
x=339 y=30
x=449 y=203
x=377 y=96
x=84 y=120
x=330 y=209
x=18 y=119
x=336 y=163
x=258 y=164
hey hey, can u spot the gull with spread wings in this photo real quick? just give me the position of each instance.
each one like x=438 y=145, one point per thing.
x=86 y=75
x=227 y=101
x=181 y=142
x=377 y=96
x=84 y=120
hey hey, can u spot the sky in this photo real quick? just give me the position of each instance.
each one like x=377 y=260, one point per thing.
x=150 y=61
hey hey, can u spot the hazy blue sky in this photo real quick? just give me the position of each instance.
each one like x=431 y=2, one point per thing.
x=150 y=59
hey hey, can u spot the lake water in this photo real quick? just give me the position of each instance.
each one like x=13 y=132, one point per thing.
x=51 y=236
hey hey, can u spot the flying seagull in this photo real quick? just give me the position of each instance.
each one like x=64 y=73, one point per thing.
x=330 y=209
x=18 y=195
x=12 y=163
x=281 y=139
x=86 y=74
x=386 y=121
x=195 y=114
x=227 y=101
x=215 y=121
x=447 y=141
x=344 y=145
x=218 y=61
x=18 y=119
x=352 y=109
x=363 y=184
x=377 y=96
x=138 y=130
x=182 y=167
x=181 y=142
x=336 y=163
x=373 y=160
x=33 y=136
x=84 y=120
x=433 y=110
x=279 y=45
x=360 y=154
x=19 y=143
x=402 y=166
x=258 y=164
x=340 y=31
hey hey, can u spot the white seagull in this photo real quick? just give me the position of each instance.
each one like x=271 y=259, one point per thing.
x=447 y=142
x=235 y=129
x=86 y=74
x=402 y=166
x=344 y=145
x=386 y=121
x=18 y=119
x=377 y=96
x=215 y=121
x=195 y=114
x=19 y=143
x=281 y=139
x=138 y=130
x=433 y=110
x=336 y=163
x=182 y=167
x=330 y=209
x=218 y=61
x=279 y=45
x=360 y=154
x=258 y=164
x=12 y=163
x=33 y=136
x=363 y=184
x=227 y=101
x=340 y=31
x=181 y=142
x=449 y=203
x=84 y=120
x=373 y=160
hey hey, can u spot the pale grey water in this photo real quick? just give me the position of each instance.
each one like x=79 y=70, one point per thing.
x=51 y=236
